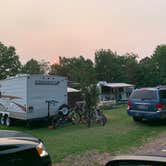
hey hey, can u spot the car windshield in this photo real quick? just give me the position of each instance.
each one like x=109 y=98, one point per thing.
x=144 y=94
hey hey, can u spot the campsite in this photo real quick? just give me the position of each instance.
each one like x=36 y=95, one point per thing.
x=82 y=83
x=120 y=136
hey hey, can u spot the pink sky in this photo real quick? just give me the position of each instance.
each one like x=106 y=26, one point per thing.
x=46 y=29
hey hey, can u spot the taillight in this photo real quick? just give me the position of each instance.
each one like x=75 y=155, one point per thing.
x=159 y=106
x=129 y=104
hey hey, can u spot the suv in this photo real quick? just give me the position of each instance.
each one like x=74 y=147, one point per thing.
x=147 y=103
x=21 y=149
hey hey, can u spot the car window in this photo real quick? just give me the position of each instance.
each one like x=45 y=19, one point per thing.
x=163 y=94
x=144 y=94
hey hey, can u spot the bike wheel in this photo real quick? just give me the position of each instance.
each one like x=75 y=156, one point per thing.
x=103 y=120
x=75 y=117
x=90 y=118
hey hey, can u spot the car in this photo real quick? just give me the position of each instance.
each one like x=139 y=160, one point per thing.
x=148 y=103
x=138 y=160
x=21 y=149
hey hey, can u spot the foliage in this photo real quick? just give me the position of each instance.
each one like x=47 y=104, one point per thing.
x=90 y=95
x=108 y=66
x=159 y=64
x=130 y=68
x=9 y=61
x=79 y=69
x=35 y=67
x=111 y=67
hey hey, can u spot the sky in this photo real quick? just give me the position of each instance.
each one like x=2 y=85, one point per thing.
x=47 y=29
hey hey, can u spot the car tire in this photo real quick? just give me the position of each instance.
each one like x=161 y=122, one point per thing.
x=137 y=119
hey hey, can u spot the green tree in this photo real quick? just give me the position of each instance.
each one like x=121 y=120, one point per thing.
x=107 y=65
x=129 y=67
x=79 y=69
x=33 y=67
x=9 y=61
x=111 y=67
x=146 y=74
x=159 y=64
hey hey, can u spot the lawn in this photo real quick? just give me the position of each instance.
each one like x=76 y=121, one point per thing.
x=119 y=135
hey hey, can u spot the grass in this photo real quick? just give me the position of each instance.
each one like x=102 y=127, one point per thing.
x=119 y=135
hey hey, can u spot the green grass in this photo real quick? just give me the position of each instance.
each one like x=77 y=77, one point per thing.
x=119 y=135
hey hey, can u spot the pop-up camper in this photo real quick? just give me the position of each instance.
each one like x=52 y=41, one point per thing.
x=30 y=97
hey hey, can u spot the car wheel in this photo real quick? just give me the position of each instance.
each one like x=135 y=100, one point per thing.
x=137 y=119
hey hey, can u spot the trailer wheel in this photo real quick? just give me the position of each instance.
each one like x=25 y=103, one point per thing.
x=2 y=119
x=8 y=121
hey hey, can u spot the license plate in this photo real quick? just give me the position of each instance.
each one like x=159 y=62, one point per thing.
x=142 y=107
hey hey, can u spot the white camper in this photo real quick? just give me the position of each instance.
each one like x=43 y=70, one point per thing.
x=30 y=97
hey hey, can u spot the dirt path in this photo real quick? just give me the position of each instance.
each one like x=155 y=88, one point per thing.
x=156 y=146
x=94 y=158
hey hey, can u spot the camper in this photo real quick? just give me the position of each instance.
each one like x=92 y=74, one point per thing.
x=113 y=93
x=31 y=97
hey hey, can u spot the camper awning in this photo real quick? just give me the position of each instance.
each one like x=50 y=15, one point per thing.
x=69 y=90
x=117 y=85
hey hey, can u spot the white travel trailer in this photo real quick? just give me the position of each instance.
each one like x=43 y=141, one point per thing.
x=31 y=97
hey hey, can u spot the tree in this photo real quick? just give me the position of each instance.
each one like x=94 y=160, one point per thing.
x=79 y=69
x=159 y=64
x=33 y=67
x=106 y=65
x=146 y=74
x=9 y=61
x=129 y=67
x=111 y=67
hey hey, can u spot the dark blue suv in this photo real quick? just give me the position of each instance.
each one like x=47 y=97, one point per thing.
x=148 y=103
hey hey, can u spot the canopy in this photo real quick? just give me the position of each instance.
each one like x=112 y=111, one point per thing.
x=116 y=85
x=69 y=90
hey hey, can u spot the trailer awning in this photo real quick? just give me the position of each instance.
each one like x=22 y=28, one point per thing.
x=117 y=85
x=69 y=90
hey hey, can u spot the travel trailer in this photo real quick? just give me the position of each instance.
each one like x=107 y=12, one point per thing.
x=113 y=93
x=31 y=97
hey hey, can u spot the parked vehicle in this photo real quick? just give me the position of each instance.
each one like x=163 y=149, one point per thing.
x=18 y=149
x=148 y=103
x=138 y=160
x=31 y=97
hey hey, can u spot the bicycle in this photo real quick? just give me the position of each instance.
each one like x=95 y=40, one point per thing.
x=87 y=115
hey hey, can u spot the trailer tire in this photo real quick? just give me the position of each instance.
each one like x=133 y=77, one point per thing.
x=2 y=119
x=8 y=121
